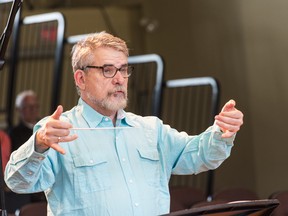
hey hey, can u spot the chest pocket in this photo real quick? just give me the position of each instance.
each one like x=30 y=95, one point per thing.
x=91 y=174
x=150 y=163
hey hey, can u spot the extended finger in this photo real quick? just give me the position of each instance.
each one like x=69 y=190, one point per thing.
x=58 y=127
x=224 y=126
x=234 y=120
x=56 y=145
x=68 y=138
x=57 y=113
x=57 y=148
x=229 y=106
x=232 y=114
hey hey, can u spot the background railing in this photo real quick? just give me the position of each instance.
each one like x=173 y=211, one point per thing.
x=37 y=61
x=190 y=105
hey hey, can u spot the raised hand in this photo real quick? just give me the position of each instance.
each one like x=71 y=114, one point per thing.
x=229 y=119
x=53 y=132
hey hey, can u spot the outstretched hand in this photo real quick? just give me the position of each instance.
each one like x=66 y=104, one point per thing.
x=229 y=119
x=53 y=132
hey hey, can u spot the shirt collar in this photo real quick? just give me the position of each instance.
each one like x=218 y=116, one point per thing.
x=93 y=118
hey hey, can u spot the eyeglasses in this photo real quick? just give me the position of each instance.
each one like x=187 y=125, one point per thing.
x=109 y=71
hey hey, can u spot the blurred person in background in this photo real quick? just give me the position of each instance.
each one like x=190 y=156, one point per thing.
x=27 y=107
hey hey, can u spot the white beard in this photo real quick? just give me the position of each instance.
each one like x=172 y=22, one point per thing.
x=113 y=101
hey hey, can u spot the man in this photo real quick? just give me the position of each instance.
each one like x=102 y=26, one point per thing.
x=27 y=107
x=96 y=159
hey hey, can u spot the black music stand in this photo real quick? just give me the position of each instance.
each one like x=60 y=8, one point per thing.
x=8 y=30
x=3 y=46
x=240 y=208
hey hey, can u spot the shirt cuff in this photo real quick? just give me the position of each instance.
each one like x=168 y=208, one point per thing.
x=218 y=135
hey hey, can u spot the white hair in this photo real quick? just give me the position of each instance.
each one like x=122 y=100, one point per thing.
x=21 y=96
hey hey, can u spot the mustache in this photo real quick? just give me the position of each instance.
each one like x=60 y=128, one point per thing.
x=117 y=89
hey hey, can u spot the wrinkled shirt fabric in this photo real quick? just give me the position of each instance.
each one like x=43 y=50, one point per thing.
x=113 y=171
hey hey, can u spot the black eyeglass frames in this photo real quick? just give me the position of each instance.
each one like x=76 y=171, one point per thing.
x=109 y=71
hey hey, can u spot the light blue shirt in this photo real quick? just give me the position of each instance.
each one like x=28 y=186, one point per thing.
x=121 y=171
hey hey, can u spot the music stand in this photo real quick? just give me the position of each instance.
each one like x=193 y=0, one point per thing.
x=8 y=30
x=239 y=208
x=3 y=46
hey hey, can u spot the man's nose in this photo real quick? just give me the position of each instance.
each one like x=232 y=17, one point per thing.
x=118 y=78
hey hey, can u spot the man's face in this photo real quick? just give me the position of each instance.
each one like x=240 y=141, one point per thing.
x=105 y=95
x=29 y=110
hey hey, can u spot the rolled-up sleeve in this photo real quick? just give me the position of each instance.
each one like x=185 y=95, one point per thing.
x=195 y=154
x=22 y=170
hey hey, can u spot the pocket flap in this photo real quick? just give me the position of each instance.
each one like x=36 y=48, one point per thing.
x=149 y=154
x=80 y=161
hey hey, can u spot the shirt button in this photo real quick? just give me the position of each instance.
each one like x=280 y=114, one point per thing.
x=131 y=181
x=136 y=204
x=40 y=158
x=123 y=159
x=91 y=161
x=29 y=173
x=106 y=119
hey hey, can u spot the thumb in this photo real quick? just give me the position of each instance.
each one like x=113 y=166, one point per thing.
x=57 y=113
x=229 y=106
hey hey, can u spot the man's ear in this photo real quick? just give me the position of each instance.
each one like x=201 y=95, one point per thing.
x=79 y=78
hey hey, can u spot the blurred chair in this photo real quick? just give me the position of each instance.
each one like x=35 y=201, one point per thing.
x=235 y=194
x=190 y=105
x=34 y=209
x=37 y=61
x=184 y=197
x=282 y=197
x=145 y=84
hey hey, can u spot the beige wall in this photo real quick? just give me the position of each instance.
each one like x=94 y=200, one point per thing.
x=204 y=38
x=266 y=46
x=243 y=43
